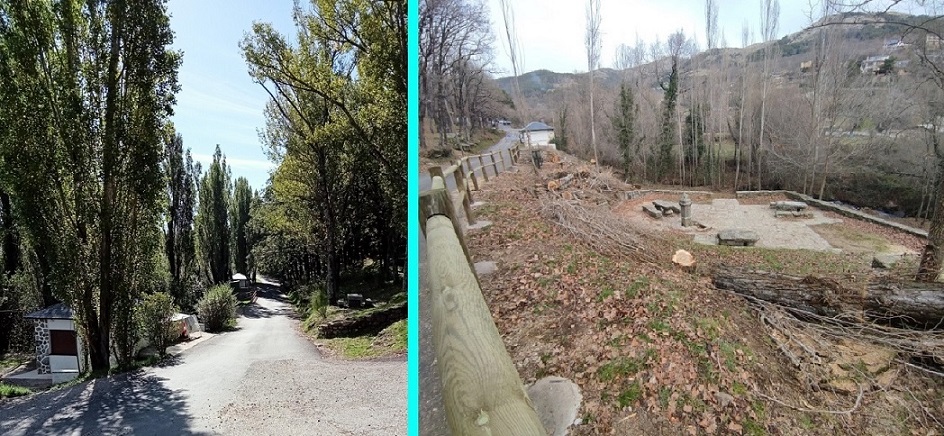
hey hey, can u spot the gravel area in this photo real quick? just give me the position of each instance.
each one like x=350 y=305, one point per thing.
x=726 y=213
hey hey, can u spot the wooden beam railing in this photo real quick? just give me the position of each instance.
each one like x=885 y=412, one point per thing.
x=458 y=172
x=482 y=391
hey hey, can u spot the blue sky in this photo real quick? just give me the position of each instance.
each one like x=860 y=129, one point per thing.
x=218 y=102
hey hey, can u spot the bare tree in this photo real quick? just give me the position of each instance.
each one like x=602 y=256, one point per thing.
x=594 y=44
x=711 y=23
x=455 y=41
x=769 y=19
x=514 y=54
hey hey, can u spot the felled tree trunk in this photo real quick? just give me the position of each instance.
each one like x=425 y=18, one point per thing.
x=912 y=304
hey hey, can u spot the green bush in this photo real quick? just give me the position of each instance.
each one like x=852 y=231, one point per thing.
x=217 y=308
x=154 y=320
x=318 y=301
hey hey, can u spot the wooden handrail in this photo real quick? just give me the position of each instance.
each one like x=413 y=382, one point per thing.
x=482 y=391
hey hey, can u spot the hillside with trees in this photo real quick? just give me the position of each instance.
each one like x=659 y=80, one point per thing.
x=866 y=142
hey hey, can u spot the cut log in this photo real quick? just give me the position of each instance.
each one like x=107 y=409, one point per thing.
x=685 y=260
x=910 y=304
x=367 y=322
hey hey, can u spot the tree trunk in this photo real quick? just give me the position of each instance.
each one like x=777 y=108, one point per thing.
x=912 y=304
x=932 y=258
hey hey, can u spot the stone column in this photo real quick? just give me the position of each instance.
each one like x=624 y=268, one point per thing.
x=685 y=204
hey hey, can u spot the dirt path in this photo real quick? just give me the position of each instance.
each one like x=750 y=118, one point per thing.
x=264 y=378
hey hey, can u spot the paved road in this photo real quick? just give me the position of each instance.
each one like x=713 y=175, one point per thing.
x=511 y=136
x=265 y=378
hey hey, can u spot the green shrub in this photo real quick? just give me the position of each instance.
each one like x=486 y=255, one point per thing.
x=318 y=301
x=154 y=320
x=217 y=308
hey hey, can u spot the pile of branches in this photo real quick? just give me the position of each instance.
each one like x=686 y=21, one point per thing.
x=810 y=340
x=602 y=230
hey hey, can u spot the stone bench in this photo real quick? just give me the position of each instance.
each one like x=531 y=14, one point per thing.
x=793 y=214
x=793 y=206
x=667 y=207
x=652 y=211
x=744 y=238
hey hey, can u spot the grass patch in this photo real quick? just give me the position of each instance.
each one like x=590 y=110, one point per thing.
x=664 y=395
x=753 y=428
x=353 y=348
x=621 y=366
x=639 y=284
x=13 y=360
x=659 y=325
x=630 y=395
x=9 y=391
x=738 y=388
x=390 y=341
x=607 y=292
x=710 y=326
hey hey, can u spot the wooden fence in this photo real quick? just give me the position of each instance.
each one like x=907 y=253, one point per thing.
x=482 y=392
x=465 y=169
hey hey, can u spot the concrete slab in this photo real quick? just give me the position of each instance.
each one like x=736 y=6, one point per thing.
x=557 y=400
x=31 y=379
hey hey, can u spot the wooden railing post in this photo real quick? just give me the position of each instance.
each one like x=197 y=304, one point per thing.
x=482 y=167
x=437 y=201
x=482 y=391
x=436 y=172
x=494 y=164
x=464 y=193
x=475 y=180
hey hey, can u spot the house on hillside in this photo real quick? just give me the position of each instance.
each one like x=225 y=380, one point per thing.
x=806 y=66
x=872 y=64
x=537 y=134
x=894 y=44
x=932 y=42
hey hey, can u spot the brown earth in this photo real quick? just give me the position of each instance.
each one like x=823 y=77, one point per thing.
x=659 y=351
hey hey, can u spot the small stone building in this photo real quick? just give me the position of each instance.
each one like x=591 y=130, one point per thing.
x=58 y=347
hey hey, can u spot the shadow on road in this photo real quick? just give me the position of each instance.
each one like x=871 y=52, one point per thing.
x=272 y=292
x=256 y=311
x=135 y=403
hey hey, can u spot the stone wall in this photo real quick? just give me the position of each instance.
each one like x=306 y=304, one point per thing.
x=41 y=337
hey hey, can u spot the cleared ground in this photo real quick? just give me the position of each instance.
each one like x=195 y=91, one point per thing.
x=658 y=350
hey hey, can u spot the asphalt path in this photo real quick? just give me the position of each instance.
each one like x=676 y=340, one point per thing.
x=510 y=138
x=265 y=378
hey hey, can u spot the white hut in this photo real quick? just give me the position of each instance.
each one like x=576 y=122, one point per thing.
x=240 y=281
x=537 y=134
x=58 y=348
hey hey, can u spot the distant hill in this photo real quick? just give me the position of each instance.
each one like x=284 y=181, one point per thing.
x=865 y=35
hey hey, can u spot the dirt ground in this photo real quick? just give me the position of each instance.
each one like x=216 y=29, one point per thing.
x=657 y=350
